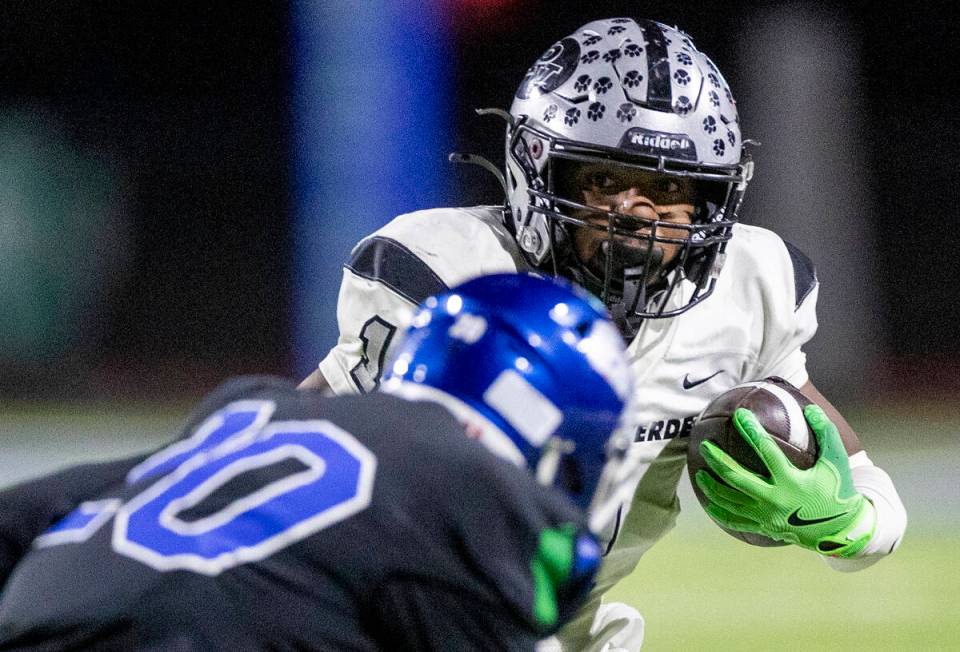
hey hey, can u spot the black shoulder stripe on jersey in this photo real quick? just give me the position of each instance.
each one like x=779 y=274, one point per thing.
x=804 y=274
x=389 y=262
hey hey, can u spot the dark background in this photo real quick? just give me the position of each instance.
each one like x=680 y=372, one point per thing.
x=190 y=106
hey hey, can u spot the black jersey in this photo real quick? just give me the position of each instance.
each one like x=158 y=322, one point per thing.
x=286 y=520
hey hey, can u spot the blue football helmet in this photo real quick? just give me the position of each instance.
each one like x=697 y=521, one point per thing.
x=536 y=369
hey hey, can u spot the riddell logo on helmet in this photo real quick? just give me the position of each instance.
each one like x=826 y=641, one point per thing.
x=659 y=143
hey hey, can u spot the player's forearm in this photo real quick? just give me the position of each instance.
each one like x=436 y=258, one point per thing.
x=890 y=514
x=315 y=381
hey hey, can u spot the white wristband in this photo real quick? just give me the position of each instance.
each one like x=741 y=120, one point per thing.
x=874 y=483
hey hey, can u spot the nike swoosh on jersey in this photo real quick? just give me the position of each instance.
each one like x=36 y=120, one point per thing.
x=794 y=518
x=690 y=384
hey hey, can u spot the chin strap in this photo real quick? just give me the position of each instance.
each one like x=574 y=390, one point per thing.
x=627 y=325
x=618 y=313
x=632 y=289
x=635 y=288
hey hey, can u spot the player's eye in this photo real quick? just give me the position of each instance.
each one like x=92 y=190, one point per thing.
x=601 y=181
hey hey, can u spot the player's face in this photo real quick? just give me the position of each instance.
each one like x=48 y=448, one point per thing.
x=646 y=197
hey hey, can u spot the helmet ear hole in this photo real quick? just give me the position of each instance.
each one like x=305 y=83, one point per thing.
x=536 y=149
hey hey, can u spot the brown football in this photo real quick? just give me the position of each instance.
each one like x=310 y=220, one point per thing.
x=778 y=406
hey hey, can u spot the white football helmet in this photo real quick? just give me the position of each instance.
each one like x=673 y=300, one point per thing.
x=638 y=94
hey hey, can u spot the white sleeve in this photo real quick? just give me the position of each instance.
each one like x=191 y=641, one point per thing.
x=371 y=318
x=414 y=256
x=889 y=512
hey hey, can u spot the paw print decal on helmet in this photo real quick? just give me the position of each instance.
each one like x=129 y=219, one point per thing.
x=647 y=92
x=602 y=85
x=612 y=55
x=632 y=79
x=626 y=112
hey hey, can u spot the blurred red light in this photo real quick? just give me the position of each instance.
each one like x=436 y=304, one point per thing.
x=485 y=16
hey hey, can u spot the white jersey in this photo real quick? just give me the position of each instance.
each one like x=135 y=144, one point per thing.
x=395 y=268
x=762 y=311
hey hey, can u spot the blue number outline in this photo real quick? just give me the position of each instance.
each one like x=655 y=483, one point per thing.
x=125 y=545
x=198 y=441
x=80 y=524
x=88 y=517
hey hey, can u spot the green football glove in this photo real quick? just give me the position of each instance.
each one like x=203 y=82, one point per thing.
x=816 y=508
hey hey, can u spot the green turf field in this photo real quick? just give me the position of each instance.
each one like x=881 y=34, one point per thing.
x=699 y=589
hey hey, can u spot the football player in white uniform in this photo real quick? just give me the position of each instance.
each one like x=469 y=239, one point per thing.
x=625 y=170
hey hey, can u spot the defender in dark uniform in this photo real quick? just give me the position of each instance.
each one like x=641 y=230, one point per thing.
x=288 y=520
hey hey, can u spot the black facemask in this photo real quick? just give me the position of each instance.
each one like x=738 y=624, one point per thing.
x=635 y=269
x=628 y=261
